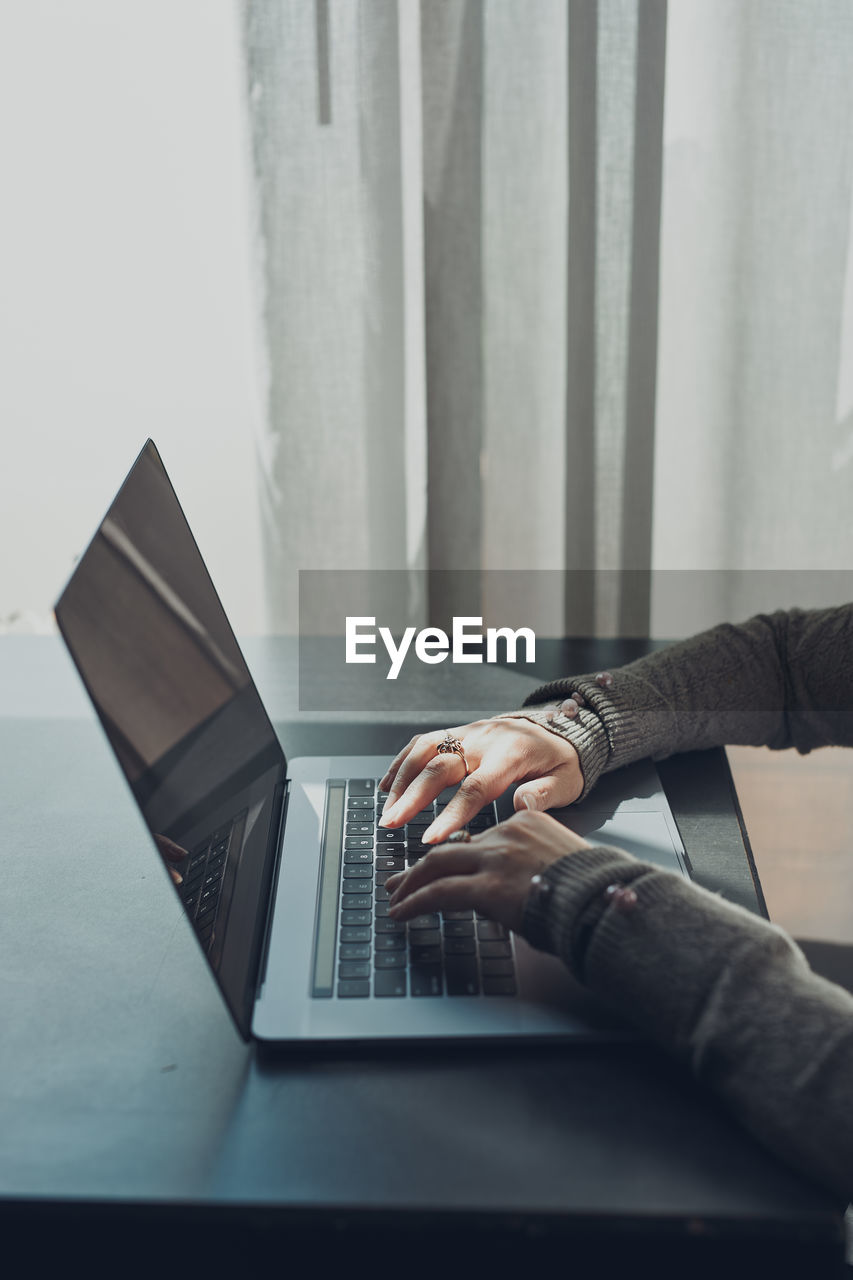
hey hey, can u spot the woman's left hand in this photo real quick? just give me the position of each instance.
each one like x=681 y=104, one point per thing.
x=491 y=873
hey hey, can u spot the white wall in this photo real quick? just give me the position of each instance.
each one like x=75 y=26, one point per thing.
x=125 y=285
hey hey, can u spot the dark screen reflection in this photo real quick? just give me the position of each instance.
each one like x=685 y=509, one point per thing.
x=151 y=640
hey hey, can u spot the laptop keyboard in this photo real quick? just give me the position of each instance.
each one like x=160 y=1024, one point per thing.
x=201 y=889
x=448 y=953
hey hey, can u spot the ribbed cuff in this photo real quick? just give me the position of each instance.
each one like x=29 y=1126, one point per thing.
x=617 y=724
x=561 y=914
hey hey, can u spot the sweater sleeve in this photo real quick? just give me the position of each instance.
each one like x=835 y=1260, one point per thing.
x=725 y=991
x=778 y=680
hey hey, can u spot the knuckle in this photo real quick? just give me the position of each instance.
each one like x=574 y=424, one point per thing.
x=433 y=768
x=474 y=787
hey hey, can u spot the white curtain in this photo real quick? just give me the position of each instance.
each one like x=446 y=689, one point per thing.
x=553 y=287
x=754 y=425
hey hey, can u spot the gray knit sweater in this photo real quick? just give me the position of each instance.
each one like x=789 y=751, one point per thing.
x=727 y=992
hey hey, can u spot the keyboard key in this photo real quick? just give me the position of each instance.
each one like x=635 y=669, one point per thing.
x=458 y=929
x=195 y=877
x=460 y=947
x=389 y=982
x=490 y=931
x=497 y=968
x=354 y=871
x=424 y=955
x=206 y=914
x=461 y=976
x=457 y=915
x=358 y=842
x=361 y=802
x=384 y=863
x=491 y=949
x=359 y=829
x=499 y=986
x=389 y=960
x=354 y=951
x=353 y=987
x=361 y=786
x=424 y=922
x=425 y=938
x=349 y=934
x=356 y=886
x=381 y=876
x=425 y=980
x=356 y=901
x=352 y=857
x=390 y=835
x=381 y=910
x=381 y=894
x=355 y=917
x=354 y=969
x=385 y=924
x=397 y=942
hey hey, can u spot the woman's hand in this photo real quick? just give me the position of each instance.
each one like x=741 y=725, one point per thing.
x=491 y=873
x=499 y=753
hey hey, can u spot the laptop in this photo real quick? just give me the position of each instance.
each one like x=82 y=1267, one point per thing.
x=280 y=865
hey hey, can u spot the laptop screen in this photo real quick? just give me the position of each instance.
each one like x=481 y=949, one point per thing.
x=156 y=652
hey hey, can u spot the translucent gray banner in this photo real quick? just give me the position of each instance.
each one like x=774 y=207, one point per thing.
x=440 y=641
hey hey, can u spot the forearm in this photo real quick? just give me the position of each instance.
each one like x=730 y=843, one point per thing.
x=725 y=991
x=778 y=680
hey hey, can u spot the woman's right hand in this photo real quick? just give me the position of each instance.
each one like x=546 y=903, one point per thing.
x=499 y=753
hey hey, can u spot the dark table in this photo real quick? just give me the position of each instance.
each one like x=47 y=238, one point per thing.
x=133 y=1117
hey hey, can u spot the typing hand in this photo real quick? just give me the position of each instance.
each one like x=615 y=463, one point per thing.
x=491 y=873
x=171 y=853
x=498 y=753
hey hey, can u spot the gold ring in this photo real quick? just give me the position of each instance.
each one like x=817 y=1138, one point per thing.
x=455 y=745
x=459 y=837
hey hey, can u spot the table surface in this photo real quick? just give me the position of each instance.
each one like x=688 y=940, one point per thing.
x=122 y=1079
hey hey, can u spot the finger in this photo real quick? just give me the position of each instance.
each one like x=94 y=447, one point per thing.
x=391 y=772
x=452 y=893
x=424 y=776
x=552 y=791
x=420 y=749
x=168 y=848
x=477 y=790
x=449 y=860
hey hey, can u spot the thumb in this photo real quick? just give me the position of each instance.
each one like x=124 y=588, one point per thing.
x=551 y=791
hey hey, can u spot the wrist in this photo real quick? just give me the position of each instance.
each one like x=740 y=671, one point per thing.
x=568 y=898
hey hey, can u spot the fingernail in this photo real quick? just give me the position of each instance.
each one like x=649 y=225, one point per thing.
x=529 y=801
x=428 y=834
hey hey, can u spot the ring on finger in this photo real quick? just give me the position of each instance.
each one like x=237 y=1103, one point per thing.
x=453 y=744
x=459 y=837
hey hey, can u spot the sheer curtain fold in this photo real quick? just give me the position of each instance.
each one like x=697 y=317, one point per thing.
x=560 y=287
